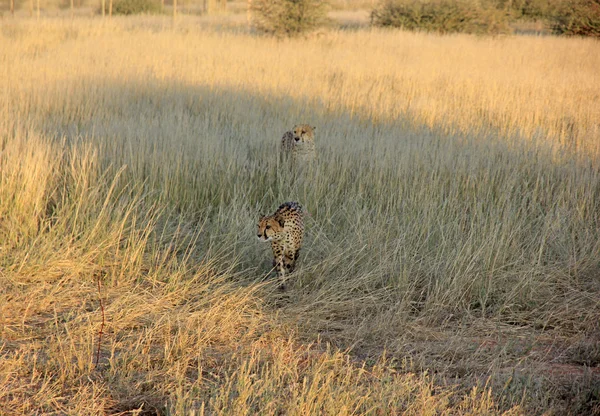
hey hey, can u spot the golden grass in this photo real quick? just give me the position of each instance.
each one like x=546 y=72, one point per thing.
x=454 y=221
x=454 y=82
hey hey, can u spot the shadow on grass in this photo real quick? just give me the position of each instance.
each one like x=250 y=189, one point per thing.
x=210 y=156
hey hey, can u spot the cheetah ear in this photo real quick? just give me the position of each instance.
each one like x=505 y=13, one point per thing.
x=314 y=128
x=281 y=221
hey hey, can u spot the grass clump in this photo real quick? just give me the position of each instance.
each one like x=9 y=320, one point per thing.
x=287 y=18
x=442 y=16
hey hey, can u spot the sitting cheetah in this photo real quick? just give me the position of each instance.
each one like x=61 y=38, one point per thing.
x=299 y=143
x=285 y=230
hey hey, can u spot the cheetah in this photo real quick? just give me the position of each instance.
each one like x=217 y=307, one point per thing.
x=299 y=143
x=285 y=230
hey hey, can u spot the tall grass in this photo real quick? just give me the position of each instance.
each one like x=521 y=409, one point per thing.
x=453 y=221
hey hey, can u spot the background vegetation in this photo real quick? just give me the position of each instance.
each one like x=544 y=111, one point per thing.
x=288 y=17
x=443 y=16
x=127 y=7
x=580 y=18
x=576 y=17
x=451 y=259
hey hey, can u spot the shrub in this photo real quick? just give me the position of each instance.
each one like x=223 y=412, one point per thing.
x=533 y=9
x=578 y=18
x=288 y=17
x=444 y=16
x=134 y=6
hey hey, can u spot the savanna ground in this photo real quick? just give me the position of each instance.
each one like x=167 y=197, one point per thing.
x=452 y=257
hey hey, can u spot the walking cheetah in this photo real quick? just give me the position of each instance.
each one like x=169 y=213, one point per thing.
x=299 y=143
x=285 y=230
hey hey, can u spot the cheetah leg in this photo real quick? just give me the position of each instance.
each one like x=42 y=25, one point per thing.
x=282 y=270
x=278 y=259
x=279 y=266
x=290 y=260
x=290 y=263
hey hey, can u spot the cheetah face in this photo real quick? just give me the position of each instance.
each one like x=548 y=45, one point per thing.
x=269 y=228
x=303 y=133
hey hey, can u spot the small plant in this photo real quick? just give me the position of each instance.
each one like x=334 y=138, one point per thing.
x=127 y=7
x=287 y=18
x=443 y=16
x=578 y=18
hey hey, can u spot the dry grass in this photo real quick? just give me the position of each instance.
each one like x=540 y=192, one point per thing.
x=453 y=230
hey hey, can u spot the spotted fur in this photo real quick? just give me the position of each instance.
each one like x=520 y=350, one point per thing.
x=299 y=143
x=285 y=230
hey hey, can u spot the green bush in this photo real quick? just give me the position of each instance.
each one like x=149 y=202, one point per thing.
x=134 y=6
x=578 y=18
x=533 y=9
x=288 y=17
x=443 y=16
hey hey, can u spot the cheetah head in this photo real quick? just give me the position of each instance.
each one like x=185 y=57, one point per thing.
x=270 y=227
x=303 y=133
